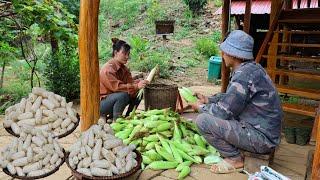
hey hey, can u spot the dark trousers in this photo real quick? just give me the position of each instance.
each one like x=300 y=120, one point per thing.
x=113 y=105
x=228 y=136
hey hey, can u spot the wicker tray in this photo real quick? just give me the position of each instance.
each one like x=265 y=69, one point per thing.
x=80 y=176
x=9 y=130
x=5 y=170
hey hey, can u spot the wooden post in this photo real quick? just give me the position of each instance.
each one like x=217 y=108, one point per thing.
x=273 y=48
x=316 y=158
x=225 y=71
x=289 y=4
x=247 y=16
x=89 y=64
x=275 y=14
x=315 y=130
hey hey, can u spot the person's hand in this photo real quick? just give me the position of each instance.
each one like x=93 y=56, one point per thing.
x=202 y=98
x=142 y=84
x=195 y=106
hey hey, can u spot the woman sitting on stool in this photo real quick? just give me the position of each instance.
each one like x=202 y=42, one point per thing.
x=117 y=87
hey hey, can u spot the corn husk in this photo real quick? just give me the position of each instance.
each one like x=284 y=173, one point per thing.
x=149 y=78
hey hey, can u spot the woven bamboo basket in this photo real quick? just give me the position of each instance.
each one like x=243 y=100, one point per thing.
x=160 y=96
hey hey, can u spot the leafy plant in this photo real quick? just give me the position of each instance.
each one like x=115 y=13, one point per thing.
x=290 y=99
x=123 y=12
x=6 y=55
x=207 y=47
x=196 y=5
x=51 y=18
x=191 y=62
x=145 y=64
x=216 y=36
x=155 y=12
x=62 y=73
x=12 y=94
x=217 y=3
x=73 y=7
x=139 y=44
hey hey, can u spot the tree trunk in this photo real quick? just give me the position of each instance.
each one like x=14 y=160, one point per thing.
x=54 y=44
x=2 y=74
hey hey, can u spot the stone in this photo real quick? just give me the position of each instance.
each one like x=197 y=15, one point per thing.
x=161 y=178
x=171 y=173
x=204 y=173
x=148 y=174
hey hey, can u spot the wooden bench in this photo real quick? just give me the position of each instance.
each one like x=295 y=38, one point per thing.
x=253 y=161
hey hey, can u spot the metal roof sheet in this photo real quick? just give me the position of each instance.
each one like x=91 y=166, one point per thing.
x=262 y=6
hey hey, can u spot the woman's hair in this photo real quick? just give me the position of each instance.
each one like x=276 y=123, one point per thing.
x=118 y=44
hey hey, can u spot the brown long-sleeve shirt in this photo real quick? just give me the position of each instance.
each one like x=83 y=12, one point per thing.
x=116 y=77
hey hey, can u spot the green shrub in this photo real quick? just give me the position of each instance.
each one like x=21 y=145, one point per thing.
x=139 y=44
x=140 y=48
x=217 y=3
x=155 y=12
x=13 y=93
x=217 y=36
x=207 y=47
x=196 y=5
x=145 y=64
x=63 y=74
x=123 y=11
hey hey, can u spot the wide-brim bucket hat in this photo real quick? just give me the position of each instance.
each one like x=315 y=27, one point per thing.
x=238 y=44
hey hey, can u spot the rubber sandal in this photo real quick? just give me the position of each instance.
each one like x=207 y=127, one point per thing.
x=223 y=167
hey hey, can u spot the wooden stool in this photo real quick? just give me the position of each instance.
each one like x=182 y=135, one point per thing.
x=253 y=161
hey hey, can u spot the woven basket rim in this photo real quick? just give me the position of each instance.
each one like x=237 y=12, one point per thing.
x=5 y=170
x=121 y=176
x=9 y=130
x=161 y=86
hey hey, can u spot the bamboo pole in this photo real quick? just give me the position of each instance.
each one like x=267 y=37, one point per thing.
x=247 y=16
x=225 y=71
x=89 y=64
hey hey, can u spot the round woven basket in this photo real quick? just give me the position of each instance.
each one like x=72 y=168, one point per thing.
x=5 y=170
x=9 y=130
x=160 y=96
x=80 y=176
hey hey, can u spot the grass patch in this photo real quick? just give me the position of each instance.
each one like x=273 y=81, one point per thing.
x=207 y=47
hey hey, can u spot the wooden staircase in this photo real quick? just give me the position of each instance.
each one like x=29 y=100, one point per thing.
x=292 y=35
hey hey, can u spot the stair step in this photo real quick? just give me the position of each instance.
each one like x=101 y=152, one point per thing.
x=299 y=109
x=297 y=45
x=308 y=93
x=299 y=32
x=305 y=75
x=299 y=21
x=300 y=16
x=294 y=58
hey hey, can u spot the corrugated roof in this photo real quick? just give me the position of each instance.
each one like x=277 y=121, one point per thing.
x=262 y=6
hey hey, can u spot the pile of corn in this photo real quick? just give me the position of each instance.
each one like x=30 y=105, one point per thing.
x=165 y=140
x=99 y=153
x=41 y=110
x=34 y=153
